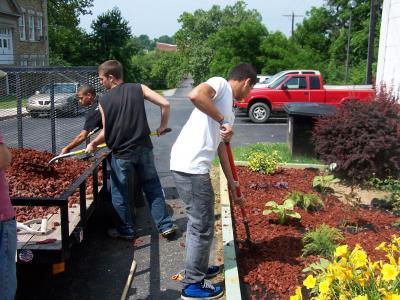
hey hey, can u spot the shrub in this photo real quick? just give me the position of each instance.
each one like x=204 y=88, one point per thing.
x=306 y=201
x=363 y=139
x=322 y=241
x=283 y=211
x=323 y=183
x=352 y=275
x=263 y=162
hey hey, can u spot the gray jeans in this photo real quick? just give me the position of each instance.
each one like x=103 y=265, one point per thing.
x=195 y=190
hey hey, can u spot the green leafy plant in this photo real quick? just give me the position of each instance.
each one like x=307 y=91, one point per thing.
x=322 y=241
x=317 y=267
x=306 y=201
x=264 y=163
x=283 y=211
x=323 y=183
x=389 y=184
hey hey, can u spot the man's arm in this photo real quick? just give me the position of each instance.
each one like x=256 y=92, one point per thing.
x=201 y=97
x=5 y=156
x=160 y=101
x=100 y=138
x=81 y=137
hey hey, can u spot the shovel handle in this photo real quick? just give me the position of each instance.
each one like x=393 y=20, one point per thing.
x=233 y=168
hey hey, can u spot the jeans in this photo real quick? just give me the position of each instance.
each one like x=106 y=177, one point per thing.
x=8 y=248
x=196 y=191
x=121 y=169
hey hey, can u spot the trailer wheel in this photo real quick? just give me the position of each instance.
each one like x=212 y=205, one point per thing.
x=259 y=112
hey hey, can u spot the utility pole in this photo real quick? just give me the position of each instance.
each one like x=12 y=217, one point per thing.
x=346 y=72
x=371 y=40
x=293 y=16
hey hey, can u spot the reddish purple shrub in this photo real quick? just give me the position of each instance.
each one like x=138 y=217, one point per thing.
x=363 y=139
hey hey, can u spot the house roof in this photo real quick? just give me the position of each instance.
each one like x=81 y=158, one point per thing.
x=165 y=47
x=15 y=8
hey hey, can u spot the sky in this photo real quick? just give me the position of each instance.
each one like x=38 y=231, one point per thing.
x=160 y=17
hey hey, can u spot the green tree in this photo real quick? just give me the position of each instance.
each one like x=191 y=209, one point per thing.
x=112 y=40
x=68 y=44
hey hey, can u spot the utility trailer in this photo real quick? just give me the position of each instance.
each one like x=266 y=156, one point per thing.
x=54 y=247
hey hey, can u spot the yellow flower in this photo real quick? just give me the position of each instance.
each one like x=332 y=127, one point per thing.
x=392 y=297
x=389 y=272
x=360 y=298
x=358 y=257
x=341 y=251
x=343 y=297
x=298 y=295
x=382 y=246
x=309 y=282
x=324 y=287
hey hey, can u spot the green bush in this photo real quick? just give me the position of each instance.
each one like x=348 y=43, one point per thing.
x=264 y=163
x=322 y=241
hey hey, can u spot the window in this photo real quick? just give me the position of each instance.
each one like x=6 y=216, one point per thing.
x=296 y=83
x=31 y=28
x=21 y=25
x=314 y=83
x=39 y=27
x=24 y=63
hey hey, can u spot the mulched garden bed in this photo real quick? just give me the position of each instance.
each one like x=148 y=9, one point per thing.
x=29 y=175
x=272 y=267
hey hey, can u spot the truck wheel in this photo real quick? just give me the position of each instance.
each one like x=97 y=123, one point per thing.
x=259 y=112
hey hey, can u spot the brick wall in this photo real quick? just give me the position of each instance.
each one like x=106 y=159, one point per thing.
x=32 y=45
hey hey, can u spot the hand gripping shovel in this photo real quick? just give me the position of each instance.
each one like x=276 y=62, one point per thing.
x=73 y=153
x=238 y=194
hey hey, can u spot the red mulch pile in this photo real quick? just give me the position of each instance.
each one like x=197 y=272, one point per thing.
x=29 y=175
x=272 y=267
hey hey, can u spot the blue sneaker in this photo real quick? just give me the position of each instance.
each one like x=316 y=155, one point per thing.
x=212 y=271
x=203 y=290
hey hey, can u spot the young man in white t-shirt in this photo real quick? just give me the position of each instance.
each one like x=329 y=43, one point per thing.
x=203 y=135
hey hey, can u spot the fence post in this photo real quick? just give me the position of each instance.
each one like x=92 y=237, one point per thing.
x=52 y=116
x=19 y=109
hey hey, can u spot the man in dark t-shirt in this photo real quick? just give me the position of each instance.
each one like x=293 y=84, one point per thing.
x=126 y=133
x=87 y=98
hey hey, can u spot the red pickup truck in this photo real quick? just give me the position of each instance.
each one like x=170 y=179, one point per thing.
x=298 y=86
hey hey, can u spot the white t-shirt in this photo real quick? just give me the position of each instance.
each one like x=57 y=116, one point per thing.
x=199 y=139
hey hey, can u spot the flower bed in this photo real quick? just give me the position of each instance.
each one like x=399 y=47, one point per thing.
x=272 y=267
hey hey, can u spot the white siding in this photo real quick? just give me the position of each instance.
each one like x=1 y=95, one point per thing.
x=389 y=46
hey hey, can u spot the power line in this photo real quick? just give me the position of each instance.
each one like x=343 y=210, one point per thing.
x=293 y=16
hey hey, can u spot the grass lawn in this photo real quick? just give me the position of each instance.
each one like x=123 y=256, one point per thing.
x=242 y=153
x=10 y=102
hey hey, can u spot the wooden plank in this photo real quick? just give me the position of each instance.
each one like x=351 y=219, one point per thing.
x=29 y=241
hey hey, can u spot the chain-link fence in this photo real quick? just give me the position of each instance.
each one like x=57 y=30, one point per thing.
x=39 y=107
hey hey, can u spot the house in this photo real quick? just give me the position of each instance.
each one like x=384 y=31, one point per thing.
x=23 y=33
x=165 y=47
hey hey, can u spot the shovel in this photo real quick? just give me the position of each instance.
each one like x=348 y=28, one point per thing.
x=239 y=194
x=73 y=153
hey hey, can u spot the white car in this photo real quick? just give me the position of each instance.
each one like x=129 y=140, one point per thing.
x=262 y=80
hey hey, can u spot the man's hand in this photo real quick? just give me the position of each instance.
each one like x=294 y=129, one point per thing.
x=161 y=130
x=232 y=188
x=90 y=148
x=226 y=132
x=64 y=150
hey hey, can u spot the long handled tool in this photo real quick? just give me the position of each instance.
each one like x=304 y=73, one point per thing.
x=73 y=153
x=129 y=280
x=238 y=193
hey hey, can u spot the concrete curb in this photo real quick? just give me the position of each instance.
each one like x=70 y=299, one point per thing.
x=232 y=282
x=12 y=116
